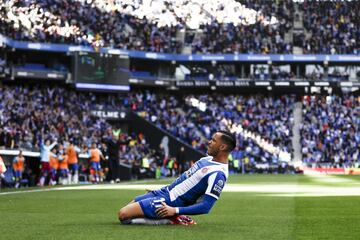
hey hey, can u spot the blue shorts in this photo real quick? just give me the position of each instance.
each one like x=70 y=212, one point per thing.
x=95 y=166
x=18 y=174
x=74 y=167
x=151 y=201
x=54 y=171
x=63 y=172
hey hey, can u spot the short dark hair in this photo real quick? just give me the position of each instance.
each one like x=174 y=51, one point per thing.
x=228 y=138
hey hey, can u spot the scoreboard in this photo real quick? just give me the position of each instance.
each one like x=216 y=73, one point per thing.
x=101 y=71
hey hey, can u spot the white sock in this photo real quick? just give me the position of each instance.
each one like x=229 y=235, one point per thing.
x=42 y=181
x=147 y=221
x=76 y=178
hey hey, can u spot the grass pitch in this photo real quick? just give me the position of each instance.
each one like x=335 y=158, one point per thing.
x=91 y=214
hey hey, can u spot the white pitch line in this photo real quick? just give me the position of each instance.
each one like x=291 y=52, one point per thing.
x=280 y=190
x=27 y=191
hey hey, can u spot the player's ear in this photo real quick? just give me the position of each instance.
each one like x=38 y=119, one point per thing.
x=223 y=147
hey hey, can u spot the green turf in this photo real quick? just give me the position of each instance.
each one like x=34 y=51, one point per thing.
x=91 y=214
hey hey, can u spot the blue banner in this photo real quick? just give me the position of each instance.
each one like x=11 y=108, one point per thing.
x=260 y=58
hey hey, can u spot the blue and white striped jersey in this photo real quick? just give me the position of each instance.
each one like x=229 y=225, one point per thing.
x=204 y=177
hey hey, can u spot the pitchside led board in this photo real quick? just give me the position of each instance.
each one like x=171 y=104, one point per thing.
x=102 y=71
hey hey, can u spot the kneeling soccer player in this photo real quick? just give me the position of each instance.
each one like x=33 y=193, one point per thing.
x=194 y=192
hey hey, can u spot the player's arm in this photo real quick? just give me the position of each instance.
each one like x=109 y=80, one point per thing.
x=77 y=149
x=53 y=145
x=216 y=183
x=202 y=207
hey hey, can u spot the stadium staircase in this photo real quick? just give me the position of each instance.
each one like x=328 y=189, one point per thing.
x=296 y=132
x=156 y=135
x=298 y=28
x=196 y=35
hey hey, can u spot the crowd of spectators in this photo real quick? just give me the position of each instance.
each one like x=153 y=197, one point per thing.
x=267 y=121
x=30 y=115
x=330 y=131
x=76 y=22
x=255 y=38
x=334 y=27
x=227 y=26
x=263 y=120
x=167 y=112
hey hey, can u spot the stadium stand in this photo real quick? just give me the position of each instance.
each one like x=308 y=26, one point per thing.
x=331 y=27
x=220 y=48
x=330 y=131
x=123 y=25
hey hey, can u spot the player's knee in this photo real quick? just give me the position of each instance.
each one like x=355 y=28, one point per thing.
x=122 y=214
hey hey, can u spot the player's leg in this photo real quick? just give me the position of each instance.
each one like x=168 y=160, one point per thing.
x=75 y=168
x=45 y=169
x=17 y=178
x=130 y=211
x=53 y=176
x=98 y=169
x=144 y=213
x=68 y=175
x=74 y=173
x=93 y=172
x=134 y=209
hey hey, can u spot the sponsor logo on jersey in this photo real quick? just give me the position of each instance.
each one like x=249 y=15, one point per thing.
x=205 y=170
x=216 y=190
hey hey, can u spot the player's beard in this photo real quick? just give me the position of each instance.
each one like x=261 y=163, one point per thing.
x=212 y=152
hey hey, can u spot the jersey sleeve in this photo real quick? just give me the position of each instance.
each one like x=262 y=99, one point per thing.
x=216 y=183
x=202 y=207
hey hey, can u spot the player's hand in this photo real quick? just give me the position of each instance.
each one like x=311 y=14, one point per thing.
x=165 y=211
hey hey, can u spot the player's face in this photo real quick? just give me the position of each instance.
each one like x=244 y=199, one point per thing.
x=214 y=145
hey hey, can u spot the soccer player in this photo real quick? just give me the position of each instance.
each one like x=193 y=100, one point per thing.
x=194 y=192
x=95 y=156
x=72 y=152
x=44 y=159
x=18 y=166
x=54 y=165
x=63 y=166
